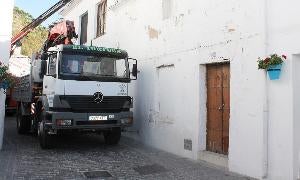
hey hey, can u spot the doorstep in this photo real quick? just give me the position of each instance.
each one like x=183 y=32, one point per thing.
x=214 y=158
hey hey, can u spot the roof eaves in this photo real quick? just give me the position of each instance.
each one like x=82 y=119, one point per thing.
x=69 y=7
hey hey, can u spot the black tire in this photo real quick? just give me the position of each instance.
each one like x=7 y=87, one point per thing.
x=10 y=113
x=37 y=118
x=23 y=123
x=44 y=138
x=113 y=136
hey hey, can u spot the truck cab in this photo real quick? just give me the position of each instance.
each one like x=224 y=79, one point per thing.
x=79 y=88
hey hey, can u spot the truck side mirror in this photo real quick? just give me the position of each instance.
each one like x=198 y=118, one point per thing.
x=133 y=66
x=44 y=56
x=43 y=68
x=134 y=70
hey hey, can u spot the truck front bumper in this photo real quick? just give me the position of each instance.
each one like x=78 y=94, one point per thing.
x=95 y=121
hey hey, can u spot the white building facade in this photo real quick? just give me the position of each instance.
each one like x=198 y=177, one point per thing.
x=186 y=52
x=6 y=17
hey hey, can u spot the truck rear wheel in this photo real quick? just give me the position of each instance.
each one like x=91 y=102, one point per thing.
x=23 y=123
x=113 y=136
x=44 y=138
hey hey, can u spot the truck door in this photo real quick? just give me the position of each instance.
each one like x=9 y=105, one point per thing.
x=50 y=78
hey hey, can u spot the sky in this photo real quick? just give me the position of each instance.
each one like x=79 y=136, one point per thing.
x=37 y=7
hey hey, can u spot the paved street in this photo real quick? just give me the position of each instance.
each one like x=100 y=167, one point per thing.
x=86 y=156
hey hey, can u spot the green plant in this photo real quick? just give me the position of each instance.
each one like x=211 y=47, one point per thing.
x=35 y=39
x=7 y=80
x=273 y=59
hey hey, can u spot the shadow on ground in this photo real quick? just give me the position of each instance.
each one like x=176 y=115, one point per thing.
x=83 y=156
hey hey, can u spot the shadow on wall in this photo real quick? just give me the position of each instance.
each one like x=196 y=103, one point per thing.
x=4 y=57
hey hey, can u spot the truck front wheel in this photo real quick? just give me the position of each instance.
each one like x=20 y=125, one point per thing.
x=113 y=136
x=23 y=123
x=44 y=137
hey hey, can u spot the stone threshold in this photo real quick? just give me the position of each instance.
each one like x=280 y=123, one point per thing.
x=214 y=159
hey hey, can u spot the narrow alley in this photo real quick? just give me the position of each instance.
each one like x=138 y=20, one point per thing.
x=86 y=156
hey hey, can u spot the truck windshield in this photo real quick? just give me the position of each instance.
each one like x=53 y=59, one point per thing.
x=94 y=66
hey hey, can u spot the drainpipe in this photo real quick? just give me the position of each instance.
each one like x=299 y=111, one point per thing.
x=265 y=131
x=266 y=102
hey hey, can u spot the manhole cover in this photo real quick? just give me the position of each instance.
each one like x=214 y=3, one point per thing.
x=97 y=174
x=150 y=169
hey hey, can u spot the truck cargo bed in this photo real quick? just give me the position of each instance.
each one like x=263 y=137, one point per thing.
x=23 y=90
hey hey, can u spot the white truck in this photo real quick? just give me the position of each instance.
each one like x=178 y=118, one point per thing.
x=76 y=88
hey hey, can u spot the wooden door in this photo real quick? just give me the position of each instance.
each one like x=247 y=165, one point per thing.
x=218 y=108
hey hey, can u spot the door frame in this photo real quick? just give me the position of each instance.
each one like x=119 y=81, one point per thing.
x=222 y=160
x=218 y=130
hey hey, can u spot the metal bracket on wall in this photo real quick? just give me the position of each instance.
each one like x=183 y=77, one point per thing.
x=165 y=66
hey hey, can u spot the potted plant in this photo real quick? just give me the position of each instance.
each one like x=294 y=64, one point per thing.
x=7 y=80
x=272 y=64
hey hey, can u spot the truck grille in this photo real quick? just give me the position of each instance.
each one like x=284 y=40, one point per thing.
x=87 y=104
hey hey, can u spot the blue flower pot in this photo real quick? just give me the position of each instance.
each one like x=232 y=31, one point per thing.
x=274 y=71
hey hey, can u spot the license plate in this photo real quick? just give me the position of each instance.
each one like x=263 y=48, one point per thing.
x=97 y=118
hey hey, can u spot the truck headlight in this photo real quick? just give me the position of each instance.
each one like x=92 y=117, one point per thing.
x=64 y=122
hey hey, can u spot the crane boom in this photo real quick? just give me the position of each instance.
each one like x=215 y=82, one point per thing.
x=36 y=22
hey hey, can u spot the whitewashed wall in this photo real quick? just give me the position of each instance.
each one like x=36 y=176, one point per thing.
x=6 y=14
x=170 y=103
x=283 y=38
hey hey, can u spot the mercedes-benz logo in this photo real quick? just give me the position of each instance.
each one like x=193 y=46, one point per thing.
x=98 y=97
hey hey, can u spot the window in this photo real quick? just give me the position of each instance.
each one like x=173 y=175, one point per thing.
x=121 y=68
x=167 y=8
x=101 y=16
x=52 y=64
x=94 y=66
x=83 y=30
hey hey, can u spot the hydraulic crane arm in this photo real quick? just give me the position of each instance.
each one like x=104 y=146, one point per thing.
x=36 y=22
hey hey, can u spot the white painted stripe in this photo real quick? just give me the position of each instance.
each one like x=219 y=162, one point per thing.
x=32 y=108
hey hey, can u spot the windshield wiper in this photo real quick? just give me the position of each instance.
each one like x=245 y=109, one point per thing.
x=106 y=75
x=91 y=76
x=84 y=78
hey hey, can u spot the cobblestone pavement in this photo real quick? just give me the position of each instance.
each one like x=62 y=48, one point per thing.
x=74 y=156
